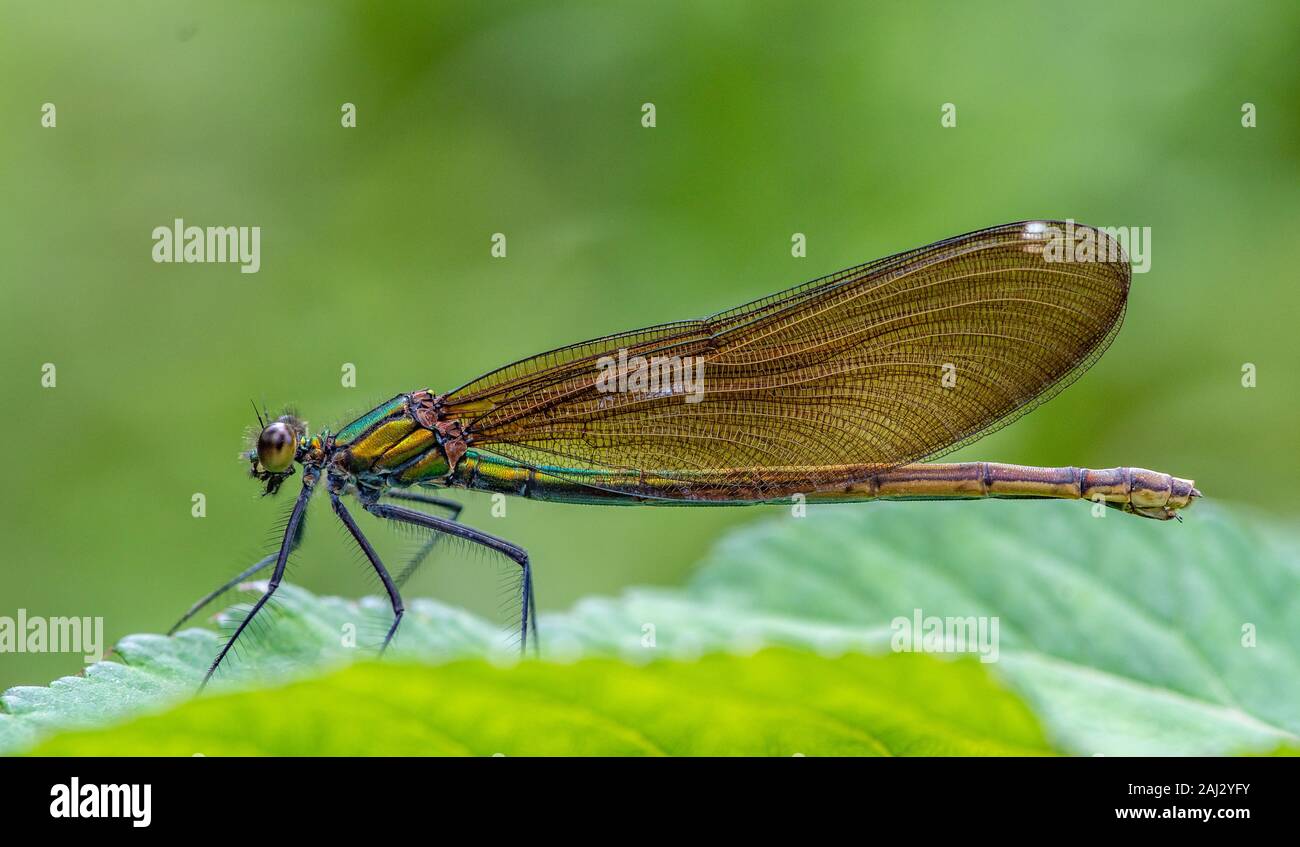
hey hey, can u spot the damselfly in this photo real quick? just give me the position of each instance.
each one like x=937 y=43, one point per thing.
x=829 y=391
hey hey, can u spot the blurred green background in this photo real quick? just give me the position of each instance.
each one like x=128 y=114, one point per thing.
x=525 y=119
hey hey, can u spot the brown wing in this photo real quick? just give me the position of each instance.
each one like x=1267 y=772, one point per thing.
x=895 y=361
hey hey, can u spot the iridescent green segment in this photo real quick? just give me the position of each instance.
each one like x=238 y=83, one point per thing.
x=376 y=445
x=408 y=448
x=361 y=425
x=432 y=467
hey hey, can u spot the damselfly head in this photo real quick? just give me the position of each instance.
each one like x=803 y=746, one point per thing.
x=278 y=445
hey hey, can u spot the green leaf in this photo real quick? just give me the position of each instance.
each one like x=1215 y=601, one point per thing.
x=1127 y=637
x=778 y=703
x=150 y=672
x=1124 y=636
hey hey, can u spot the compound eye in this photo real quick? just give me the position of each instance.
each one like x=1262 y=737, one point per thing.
x=276 y=447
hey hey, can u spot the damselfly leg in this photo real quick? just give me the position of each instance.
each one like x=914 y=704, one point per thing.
x=517 y=554
x=256 y=568
x=293 y=538
x=418 y=559
x=394 y=597
x=432 y=541
x=291 y=533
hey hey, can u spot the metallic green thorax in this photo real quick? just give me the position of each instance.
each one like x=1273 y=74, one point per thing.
x=403 y=443
x=395 y=444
